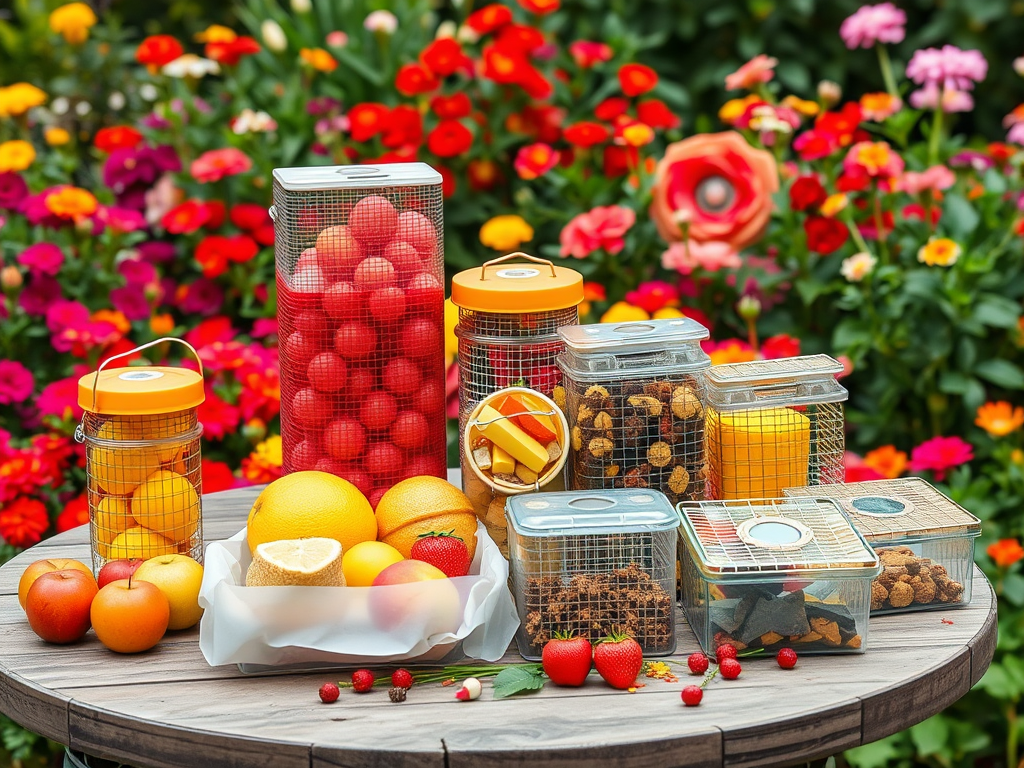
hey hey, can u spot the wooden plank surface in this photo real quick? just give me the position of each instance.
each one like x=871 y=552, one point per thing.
x=167 y=707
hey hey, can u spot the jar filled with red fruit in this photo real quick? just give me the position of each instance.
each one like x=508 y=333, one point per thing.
x=360 y=280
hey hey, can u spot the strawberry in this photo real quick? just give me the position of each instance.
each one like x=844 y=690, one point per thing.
x=567 y=659
x=618 y=659
x=444 y=551
x=362 y=680
x=401 y=678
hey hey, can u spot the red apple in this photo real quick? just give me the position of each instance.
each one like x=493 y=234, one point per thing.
x=373 y=221
x=411 y=596
x=424 y=292
x=327 y=372
x=116 y=570
x=379 y=410
x=343 y=300
x=336 y=246
x=57 y=605
x=387 y=305
x=402 y=376
x=39 y=567
x=355 y=340
x=345 y=439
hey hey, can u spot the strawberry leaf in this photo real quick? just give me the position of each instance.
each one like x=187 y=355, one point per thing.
x=515 y=680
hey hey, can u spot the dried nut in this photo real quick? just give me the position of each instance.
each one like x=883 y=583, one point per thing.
x=649 y=405
x=901 y=595
x=577 y=438
x=879 y=595
x=558 y=395
x=596 y=391
x=397 y=695
x=603 y=421
x=924 y=589
x=584 y=414
x=554 y=451
x=612 y=470
x=600 y=446
x=636 y=477
x=482 y=457
x=659 y=454
x=526 y=474
x=679 y=480
x=661 y=390
x=685 y=403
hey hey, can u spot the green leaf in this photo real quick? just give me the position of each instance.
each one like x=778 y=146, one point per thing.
x=876 y=755
x=997 y=311
x=1002 y=373
x=931 y=736
x=1013 y=588
x=999 y=684
x=515 y=680
x=959 y=216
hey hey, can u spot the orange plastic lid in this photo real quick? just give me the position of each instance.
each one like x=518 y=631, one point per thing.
x=141 y=391
x=513 y=288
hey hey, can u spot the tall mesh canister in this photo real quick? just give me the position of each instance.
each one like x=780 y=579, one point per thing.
x=360 y=278
x=142 y=433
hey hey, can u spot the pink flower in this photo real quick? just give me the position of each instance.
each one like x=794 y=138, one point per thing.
x=600 y=227
x=759 y=69
x=42 y=258
x=66 y=314
x=938 y=177
x=137 y=271
x=875 y=159
x=218 y=163
x=122 y=220
x=710 y=256
x=218 y=417
x=950 y=67
x=203 y=297
x=41 y=292
x=653 y=295
x=929 y=97
x=16 y=382
x=939 y=455
x=871 y=24
x=60 y=399
x=131 y=300
x=1016 y=134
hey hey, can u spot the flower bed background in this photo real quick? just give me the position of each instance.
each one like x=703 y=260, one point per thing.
x=882 y=225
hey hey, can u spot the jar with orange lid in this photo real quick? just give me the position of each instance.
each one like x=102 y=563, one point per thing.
x=141 y=432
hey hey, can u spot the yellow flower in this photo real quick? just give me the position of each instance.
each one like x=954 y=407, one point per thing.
x=72 y=21
x=1017 y=456
x=71 y=203
x=1000 y=419
x=215 y=33
x=623 y=312
x=56 y=137
x=637 y=135
x=318 y=59
x=114 y=317
x=19 y=98
x=834 y=204
x=264 y=463
x=451 y=341
x=667 y=313
x=16 y=155
x=505 y=233
x=733 y=109
x=874 y=156
x=732 y=351
x=801 y=106
x=939 y=251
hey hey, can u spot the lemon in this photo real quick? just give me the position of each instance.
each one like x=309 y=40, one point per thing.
x=365 y=560
x=111 y=518
x=120 y=470
x=167 y=503
x=420 y=505
x=314 y=562
x=137 y=542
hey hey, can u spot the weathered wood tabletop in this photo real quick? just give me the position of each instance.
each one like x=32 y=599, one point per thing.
x=167 y=707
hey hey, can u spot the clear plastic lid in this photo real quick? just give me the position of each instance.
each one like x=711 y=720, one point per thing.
x=887 y=511
x=646 y=345
x=327 y=177
x=775 y=538
x=787 y=381
x=583 y=513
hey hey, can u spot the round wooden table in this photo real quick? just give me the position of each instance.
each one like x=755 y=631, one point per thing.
x=167 y=707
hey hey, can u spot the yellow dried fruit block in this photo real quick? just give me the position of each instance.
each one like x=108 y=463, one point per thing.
x=503 y=433
x=502 y=462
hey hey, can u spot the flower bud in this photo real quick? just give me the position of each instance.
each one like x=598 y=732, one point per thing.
x=337 y=39
x=748 y=307
x=384 y=22
x=446 y=29
x=273 y=36
x=470 y=690
x=254 y=430
x=467 y=35
x=10 y=278
x=1018 y=65
x=830 y=93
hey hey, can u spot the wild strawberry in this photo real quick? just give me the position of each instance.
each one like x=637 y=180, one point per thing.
x=618 y=659
x=328 y=693
x=401 y=678
x=730 y=668
x=444 y=551
x=786 y=658
x=386 y=304
x=378 y=411
x=567 y=659
x=362 y=680
x=698 y=663
x=725 y=652
x=424 y=292
x=692 y=694
x=355 y=340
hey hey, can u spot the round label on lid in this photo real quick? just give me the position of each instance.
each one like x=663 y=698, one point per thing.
x=774 y=533
x=517 y=273
x=140 y=375
x=879 y=506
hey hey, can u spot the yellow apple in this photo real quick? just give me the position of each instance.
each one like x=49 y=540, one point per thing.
x=179 y=578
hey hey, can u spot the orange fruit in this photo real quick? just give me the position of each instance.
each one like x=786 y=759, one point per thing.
x=168 y=504
x=421 y=505
x=129 y=615
x=137 y=542
x=312 y=504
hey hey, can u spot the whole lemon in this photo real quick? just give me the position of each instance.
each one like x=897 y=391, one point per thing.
x=365 y=560
x=167 y=503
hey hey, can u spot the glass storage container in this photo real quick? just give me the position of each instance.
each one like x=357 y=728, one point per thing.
x=764 y=574
x=924 y=540
x=634 y=400
x=593 y=563
x=774 y=424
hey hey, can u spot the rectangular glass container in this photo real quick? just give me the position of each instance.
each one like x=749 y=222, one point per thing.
x=924 y=540
x=594 y=563
x=764 y=574
x=634 y=400
x=774 y=424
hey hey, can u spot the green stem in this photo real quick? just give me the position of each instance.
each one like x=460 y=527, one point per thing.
x=936 y=135
x=883 y=248
x=886 y=64
x=858 y=238
x=1011 y=734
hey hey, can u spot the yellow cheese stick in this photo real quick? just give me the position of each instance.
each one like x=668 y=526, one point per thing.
x=502 y=462
x=506 y=435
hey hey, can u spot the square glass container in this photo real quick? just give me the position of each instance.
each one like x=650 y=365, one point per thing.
x=774 y=424
x=634 y=401
x=764 y=574
x=594 y=563
x=924 y=540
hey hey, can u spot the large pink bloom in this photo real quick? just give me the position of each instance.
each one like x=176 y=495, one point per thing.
x=936 y=178
x=710 y=256
x=760 y=69
x=945 y=75
x=939 y=455
x=218 y=163
x=600 y=227
x=882 y=23
x=929 y=96
x=16 y=382
x=42 y=258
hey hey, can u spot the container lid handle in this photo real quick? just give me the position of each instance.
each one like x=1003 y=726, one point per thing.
x=516 y=254
x=96 y=378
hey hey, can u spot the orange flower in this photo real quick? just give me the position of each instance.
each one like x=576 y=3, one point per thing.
x=801 y=106
x=115 y=318
x=887 y=461
x=1005 y=552
x=540 y=7
x=535 y=160
x=939 y=251
x=161 y=325
x=319 y=59
x=71 y=203
x=1000 y=419
x=732 y=351
x=878 y=106
x=637 y=79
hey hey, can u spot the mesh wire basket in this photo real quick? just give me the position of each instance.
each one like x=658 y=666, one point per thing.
x=142 y=435
x=774 y=424
x=360 y=275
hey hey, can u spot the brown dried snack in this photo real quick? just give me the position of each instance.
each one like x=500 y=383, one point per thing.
x=829 y=631
x=854 y=642
x=526 y=474
x=596 y=391
x=600 y=447
x=645 y=404
x=890 y=574
x=662 y=390
x=637 y=477
x=603 y=420
x=771 y=638
x=558 y=395
x=891 y=557
x=901 y=595
x=659 y=454
x=577 y=438
x=924 y=589
x=397 y=695
x=951 y=592
x=632 y=428
x=810 y=637
x=879 y=595
x=686 y=403
x=679 y=480
x=584 y=415
x=722 y=638
x=554 y=451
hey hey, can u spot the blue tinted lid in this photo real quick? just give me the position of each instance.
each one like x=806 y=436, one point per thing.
x=581 y=513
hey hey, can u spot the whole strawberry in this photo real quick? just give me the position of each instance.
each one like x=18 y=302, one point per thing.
x=698 y=663
x=362 y=680
x=401 y=678
x=444 y=551
x=692 y=695
x=566 y=659
x=618 y=659
x=725 y=652
x=786 y=658
x=730 y=668
x=328 y=693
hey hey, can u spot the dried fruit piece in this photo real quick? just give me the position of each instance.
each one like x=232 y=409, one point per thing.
x=397 y=695
x=679 y=480
x=645 y=403
x=526 y=474
x=686 y=403
x=659 y=454
x=577 y=438
x=603 y=420
x=612 y=470
x=482 y=457
x=600 y=446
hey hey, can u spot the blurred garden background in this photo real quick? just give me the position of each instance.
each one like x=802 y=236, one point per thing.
x=800 y=176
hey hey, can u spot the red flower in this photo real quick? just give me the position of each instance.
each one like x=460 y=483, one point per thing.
x=842 y=125
x=230 y=52
x=611 y=108
x=116 y=137
x=535 y=160
x=586 y=134
x=219 y=418
x=217 y=476
x=618 y=161
x=1001 y=152
x=23 y=522
x=940 y=454
x=404 y=128
x=806 y=193
x=824 y=235
x=249 y=216
x=215 y=252
x=448 y=181
x=520 y=37
x=157 y=50
x=587 y=54
x=858 y=473
x=483 y=174
x=414 y=79
x=846 y=183
x=449 y=138
x=215 y=164
x=444 y=57
x=76 y=513
x=489 y=18
x=211 y=330
x=451 y=107
x=186 y=218
x=504 y=65
x=778 y=346
x=814 y=145
x=655 y=113
x=216 y=212
x=367 y=120
x=540 y=7
x=916 y=211
x=636 y=79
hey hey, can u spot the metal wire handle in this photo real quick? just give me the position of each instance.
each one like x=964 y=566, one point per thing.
x=516 y=254
x=96 y=378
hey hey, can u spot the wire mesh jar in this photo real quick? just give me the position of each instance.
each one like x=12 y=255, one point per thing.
x=765 y=574
x=593 y=563
x=634 y=400
x=923 y=538
x=141 y=432
x=360 y=280
x=774 y=424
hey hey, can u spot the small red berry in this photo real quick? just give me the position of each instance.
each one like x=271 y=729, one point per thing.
x=786 y=658
x=698 y=663
x=362 y=680
x=725 y=652
x=328 y=693
x=692 y=694
x=730 y=668
x=401 y=678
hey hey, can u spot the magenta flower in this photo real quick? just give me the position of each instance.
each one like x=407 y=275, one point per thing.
x=42 y=258
x=13 y=191
x=60 y=399
x=939 y=455
x=203 y=297
x=263 y=327
x=122 y=220
x=871 y=24
x=130 y=172
x=945 y=75
x=653 y=295
x=16 y=382
x=66 y=314
x=41 y=291
x=710 y=256
x=968 y=158
x=131 y=300
x=936 y=178
x=137 y=271
x=600 y=227
x=156 y=251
